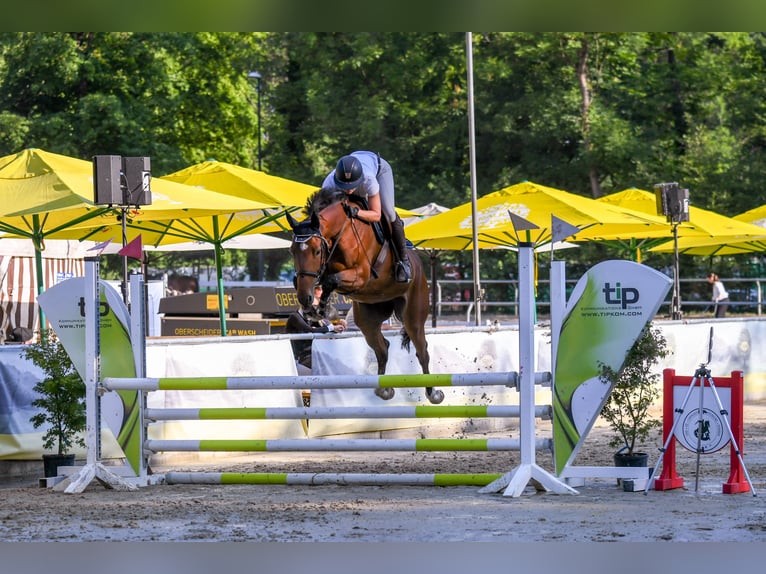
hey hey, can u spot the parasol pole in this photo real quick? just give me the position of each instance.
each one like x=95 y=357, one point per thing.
x=39 y=246
x=219 y=277
x=477 y=291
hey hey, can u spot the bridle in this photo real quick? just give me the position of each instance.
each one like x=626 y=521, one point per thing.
x=328 y=249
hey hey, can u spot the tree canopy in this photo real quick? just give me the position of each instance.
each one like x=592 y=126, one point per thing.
x=590 y=113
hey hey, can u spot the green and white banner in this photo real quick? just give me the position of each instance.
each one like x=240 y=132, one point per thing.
x=608 y=309
x=64 y=306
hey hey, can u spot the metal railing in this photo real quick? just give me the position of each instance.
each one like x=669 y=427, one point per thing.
x=455 y=296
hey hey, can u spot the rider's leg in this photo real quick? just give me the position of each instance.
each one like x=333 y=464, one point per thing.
x=386 y=180
x=403 y=269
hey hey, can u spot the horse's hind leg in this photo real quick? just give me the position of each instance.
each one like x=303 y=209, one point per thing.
x=382 y=357
x=414 y=326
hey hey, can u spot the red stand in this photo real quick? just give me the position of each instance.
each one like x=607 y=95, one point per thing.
x=669 y=478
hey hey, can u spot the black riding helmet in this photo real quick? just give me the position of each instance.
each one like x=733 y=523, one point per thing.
x=348 y=173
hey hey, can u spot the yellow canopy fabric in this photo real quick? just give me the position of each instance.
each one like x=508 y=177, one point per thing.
x=702 y=223
x=536 y=203
x=708 y=233
x=47 y=195
x=245 y=183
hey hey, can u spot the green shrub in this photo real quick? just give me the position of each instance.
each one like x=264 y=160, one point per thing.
x=61 y=395
x=636 y=388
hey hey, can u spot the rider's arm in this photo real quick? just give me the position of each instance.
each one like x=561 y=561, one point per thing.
x=374 y=213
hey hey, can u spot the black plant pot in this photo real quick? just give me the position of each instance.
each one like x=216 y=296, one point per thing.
x=635 y=459
x=52 y=462
x=639 y=459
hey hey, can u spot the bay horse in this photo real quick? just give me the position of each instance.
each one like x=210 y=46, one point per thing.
x=342 y=253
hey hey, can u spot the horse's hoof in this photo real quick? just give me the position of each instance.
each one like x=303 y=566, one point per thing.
x=435 y=396
x=385 y=394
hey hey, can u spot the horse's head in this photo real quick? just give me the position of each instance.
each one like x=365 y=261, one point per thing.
x=314 y=241
x=309 y=251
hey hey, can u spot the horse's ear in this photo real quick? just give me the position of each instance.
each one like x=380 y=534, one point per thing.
x=314 y=220
x=290 y=220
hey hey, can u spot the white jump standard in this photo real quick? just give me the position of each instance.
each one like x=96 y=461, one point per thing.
x=527 y=443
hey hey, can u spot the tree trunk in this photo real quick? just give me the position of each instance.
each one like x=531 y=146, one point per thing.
x=582 y=78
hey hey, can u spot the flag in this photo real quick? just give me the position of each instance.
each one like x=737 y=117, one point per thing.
x=134 y=249
x=561 y=229
x=101 y=246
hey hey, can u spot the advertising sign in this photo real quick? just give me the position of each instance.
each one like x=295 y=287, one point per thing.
x=609 y=307
x=64 y=306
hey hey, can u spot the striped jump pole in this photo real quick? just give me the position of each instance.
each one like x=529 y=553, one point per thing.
x=301 y=413
x=312 y=479
x=272 y=382
x=341 y=445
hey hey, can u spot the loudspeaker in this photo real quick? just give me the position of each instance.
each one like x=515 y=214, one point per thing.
x=672 y=202
x=107 y=186
x=678 y=204
x=138 y=180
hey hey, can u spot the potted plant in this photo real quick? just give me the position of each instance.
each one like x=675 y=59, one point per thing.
x=61 y=400
x=635 y=388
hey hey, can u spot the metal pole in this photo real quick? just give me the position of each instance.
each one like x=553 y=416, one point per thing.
x=676 y=305
x=260 y=160
x=219 y=277
x=124 y=284
x=258 y=78
x=432 y=256
x=478 y=295
x=39 y=274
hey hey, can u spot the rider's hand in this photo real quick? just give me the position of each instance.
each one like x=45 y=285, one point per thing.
x=351 y=210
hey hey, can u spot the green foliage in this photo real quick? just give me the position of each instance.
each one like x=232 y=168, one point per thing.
x=61 y=395
x=635 y=389
x=588 y=112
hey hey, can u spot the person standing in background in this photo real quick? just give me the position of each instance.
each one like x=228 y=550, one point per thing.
x=720 y=295
x=298 y=322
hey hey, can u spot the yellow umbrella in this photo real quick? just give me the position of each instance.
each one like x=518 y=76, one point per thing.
x=533 y=202
x=46 y=195
x=708 y=233
x=271 y=195
x=251 y=184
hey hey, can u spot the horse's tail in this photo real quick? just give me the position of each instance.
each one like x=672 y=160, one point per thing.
x=402 y=332
x=405 y=340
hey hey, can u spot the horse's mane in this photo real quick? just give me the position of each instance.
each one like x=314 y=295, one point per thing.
x=322 y=198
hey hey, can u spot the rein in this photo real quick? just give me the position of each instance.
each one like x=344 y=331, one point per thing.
x=327 y=251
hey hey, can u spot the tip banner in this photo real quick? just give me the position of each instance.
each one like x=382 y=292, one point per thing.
x=608 y=309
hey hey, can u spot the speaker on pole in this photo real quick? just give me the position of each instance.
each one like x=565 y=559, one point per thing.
x=107 y=185
x=138 y=178
x=672 y=202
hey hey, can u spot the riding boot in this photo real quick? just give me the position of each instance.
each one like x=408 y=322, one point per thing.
x=403 y=270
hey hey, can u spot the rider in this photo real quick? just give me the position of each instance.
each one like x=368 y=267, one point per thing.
x=367 y=175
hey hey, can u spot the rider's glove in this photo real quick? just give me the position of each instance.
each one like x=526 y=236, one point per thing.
x=351 y=210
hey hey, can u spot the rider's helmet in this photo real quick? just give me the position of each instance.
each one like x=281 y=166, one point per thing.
x=348 y=173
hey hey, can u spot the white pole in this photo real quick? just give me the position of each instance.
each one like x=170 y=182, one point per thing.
x=558 y=305
x=138 y=339
x=477 y=292
x=92 y=362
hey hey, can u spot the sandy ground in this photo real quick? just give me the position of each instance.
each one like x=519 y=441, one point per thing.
x=601 y=511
